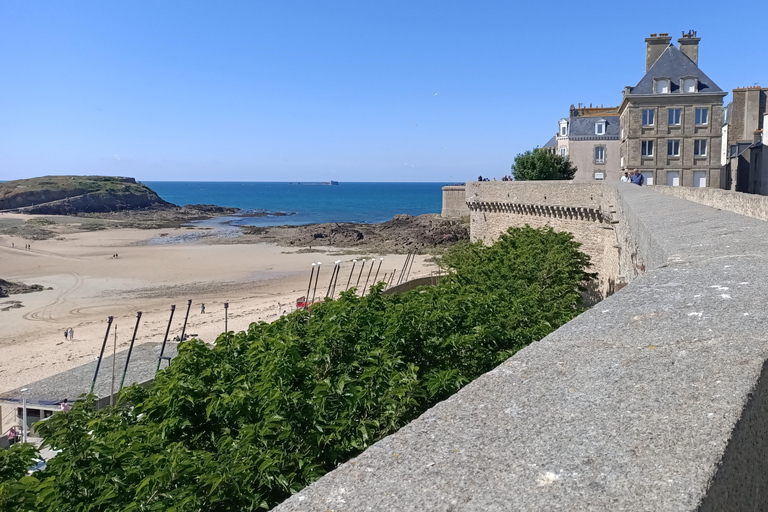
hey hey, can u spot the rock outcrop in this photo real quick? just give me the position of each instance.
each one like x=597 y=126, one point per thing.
x=69 y=195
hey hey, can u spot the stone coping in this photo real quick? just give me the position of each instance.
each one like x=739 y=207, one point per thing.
x=652 y=400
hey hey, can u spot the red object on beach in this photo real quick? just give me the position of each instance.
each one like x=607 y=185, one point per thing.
x=302 y=303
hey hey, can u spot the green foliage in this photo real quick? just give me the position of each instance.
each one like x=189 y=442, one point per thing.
x=245 y=423
x=540 y=164
x=16 y=488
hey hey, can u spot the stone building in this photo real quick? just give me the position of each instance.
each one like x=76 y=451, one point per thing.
x=743 y=141
x=671 y=121
x=589 y=137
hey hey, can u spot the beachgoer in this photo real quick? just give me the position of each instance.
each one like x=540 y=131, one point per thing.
x=65 y=406
x=625 y=178
x=66 y=334
x=637 y=178
x=11 y=436
x=479 y=178
x=202 y=308
x=71 y=334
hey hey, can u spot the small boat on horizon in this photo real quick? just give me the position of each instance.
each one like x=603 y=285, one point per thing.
x=314 y=183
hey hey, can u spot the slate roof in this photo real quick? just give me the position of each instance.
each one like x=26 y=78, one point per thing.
x=581 y=128
x=673 y=64
x=49 y=392
x=551 y=143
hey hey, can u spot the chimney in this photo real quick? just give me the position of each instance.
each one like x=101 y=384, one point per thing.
x=654 y=46
x=689 y=45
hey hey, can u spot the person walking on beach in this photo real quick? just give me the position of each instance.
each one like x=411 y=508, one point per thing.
x=202 y=308
x=66 y=334
x=71 y=334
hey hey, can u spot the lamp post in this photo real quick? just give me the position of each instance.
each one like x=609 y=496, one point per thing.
x=226 y=307
x=23 y=416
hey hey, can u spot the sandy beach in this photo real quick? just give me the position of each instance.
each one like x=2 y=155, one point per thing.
x=154 y=269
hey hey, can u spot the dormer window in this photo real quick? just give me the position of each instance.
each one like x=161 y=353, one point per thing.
x=661 y=86
x=563 y=127
x=689 y=84
x=600 y=128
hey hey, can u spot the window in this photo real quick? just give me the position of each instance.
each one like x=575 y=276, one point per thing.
x=599 y=154
x=562 y=152
x=599 y=176
x=689 y=85
x=600 y=128
x=661 y=86
x=563 y=127
x=702 y=115
x=700 y=148
x=647 y=148
x=562 y=130
x=673 y=148
x=647 y=117
x=622 y=133
x=674 y=116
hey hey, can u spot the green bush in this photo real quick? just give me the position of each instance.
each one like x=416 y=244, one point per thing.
x=266 y=411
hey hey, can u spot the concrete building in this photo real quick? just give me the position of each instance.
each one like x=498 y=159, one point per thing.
x=743 y=127
x=589 y=137
x=671 y=121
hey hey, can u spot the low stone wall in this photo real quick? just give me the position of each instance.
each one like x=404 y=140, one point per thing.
x=454 y=202
x=751 y=205
x=655 y=399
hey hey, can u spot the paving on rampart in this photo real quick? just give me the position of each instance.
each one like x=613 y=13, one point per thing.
x=655 y=399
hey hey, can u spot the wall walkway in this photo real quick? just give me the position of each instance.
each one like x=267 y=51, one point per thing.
x=655 y=399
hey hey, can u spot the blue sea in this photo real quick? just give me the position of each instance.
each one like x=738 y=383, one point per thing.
x=307 y=204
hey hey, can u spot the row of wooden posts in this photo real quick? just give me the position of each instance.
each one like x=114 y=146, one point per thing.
x=331 y=291
x=389 y=279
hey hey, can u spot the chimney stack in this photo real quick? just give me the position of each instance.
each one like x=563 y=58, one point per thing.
x=689 y=45
x=654 y=46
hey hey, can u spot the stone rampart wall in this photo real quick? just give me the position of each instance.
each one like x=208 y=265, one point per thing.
x=655 y=399
x=751 y=205
x=454 y=203
x=574 y=207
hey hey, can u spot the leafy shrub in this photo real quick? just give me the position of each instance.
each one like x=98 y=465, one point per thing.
x=266 y=411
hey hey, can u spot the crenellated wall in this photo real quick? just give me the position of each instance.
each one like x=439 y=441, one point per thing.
x=654 y=399
x=583 y=209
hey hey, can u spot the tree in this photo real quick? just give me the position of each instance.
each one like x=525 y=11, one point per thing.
x=542 y=165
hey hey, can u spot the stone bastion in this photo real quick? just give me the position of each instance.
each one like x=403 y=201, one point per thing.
x=654 y=399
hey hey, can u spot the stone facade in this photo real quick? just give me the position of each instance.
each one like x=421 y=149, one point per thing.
x=687 y=150
x=583 y=139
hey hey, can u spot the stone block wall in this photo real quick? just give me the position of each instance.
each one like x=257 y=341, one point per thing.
x=751 y=205
x=454 y=202
x=574 y=207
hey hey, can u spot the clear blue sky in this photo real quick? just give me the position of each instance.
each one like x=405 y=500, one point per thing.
x=347 y=90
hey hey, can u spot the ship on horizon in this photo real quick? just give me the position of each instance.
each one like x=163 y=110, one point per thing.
x=314 y=182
